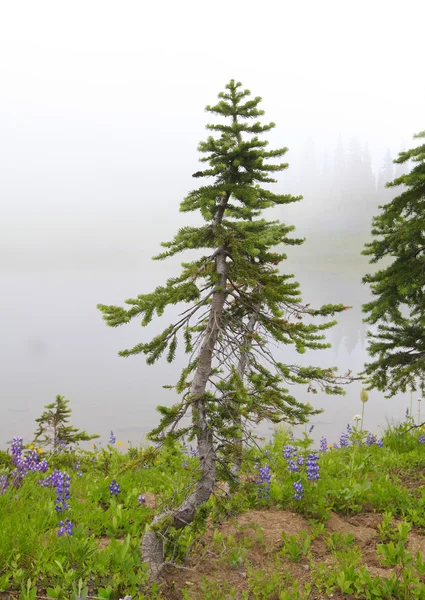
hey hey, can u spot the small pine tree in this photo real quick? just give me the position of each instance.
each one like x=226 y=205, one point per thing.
x=397 y=311
x=238 y=305
x=53 y=429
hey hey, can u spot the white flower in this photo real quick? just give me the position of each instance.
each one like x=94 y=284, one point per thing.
x=357 y=418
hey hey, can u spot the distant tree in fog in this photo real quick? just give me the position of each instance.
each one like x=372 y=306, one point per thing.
x=396 y=314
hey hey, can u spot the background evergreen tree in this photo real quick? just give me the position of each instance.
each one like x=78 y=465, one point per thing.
x=397 y=311
x=53 y=429
x=238 y=305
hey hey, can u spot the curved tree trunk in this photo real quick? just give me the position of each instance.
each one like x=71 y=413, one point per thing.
x=152 y=548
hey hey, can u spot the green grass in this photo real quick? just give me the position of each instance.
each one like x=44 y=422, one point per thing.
x=101 y=559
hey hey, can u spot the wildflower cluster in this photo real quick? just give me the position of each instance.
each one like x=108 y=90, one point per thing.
x=25 y=463
x=62 y=482
x=323 y=444
x=312 y=467
x=188 y=450
x=263 y=481
x=303 y=465
x=77 y=468
x=65 y=527
x=4 y=484
x=112 y=438
x=421 y=439
x=299 y=490
x=114 y=488
x=290 y=454
x=344 y=440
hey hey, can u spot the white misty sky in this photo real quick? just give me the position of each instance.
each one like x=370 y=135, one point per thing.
x=102 y=102
x=101 y=111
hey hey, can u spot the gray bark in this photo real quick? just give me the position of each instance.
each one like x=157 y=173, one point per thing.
x=152 y=548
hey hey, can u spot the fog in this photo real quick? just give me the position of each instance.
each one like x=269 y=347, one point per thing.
x=101 y=111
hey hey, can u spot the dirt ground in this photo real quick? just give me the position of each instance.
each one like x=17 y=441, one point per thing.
x=208 y=561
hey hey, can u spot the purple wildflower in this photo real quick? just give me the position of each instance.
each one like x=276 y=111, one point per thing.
x=380 y=444
x=264 y=481
x=25 y=463
x=289 y=451
x=112 y=438
x=299 y=490
x=65 y=527
x=370 y=440
x=142 y=500
x=313 y=468
x=421 y=439
x=62 y=482
x=344 y=440
x=114 y=488
x=292 y=466
x=323 y=444
x=4 y=484
x=16 y=448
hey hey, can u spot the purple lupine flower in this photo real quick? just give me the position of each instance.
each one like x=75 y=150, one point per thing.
x=370 y=440
x=311 y=429
x=16 y=448
x=292 y=466
x=62 y=482
x=380 y=443
x=421 y=439
x=4 y=484
x=289 y=451
x=264 y=481
x=313 y=468
x=290 y=454
x=141 y=499
x=112 y=438
x=336 y=447
x=65 y=527
x=344 y=440
x=114 y=488
x=323 y=444
x=77 y=468
x=25 y=463
x=299 y=490
x=62 y=492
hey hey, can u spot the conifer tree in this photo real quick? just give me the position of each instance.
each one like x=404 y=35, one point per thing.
x=238 y=304
x=397 y=311
x=53 y=428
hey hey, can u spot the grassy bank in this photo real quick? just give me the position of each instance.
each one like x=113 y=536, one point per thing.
x=345 y=521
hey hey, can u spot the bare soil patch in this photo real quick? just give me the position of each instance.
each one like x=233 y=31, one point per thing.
x=260 y=533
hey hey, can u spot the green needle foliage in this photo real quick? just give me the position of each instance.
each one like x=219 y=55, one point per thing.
x=238 y=305
x=397 y=311
x=53 y=428
x=231 y=207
